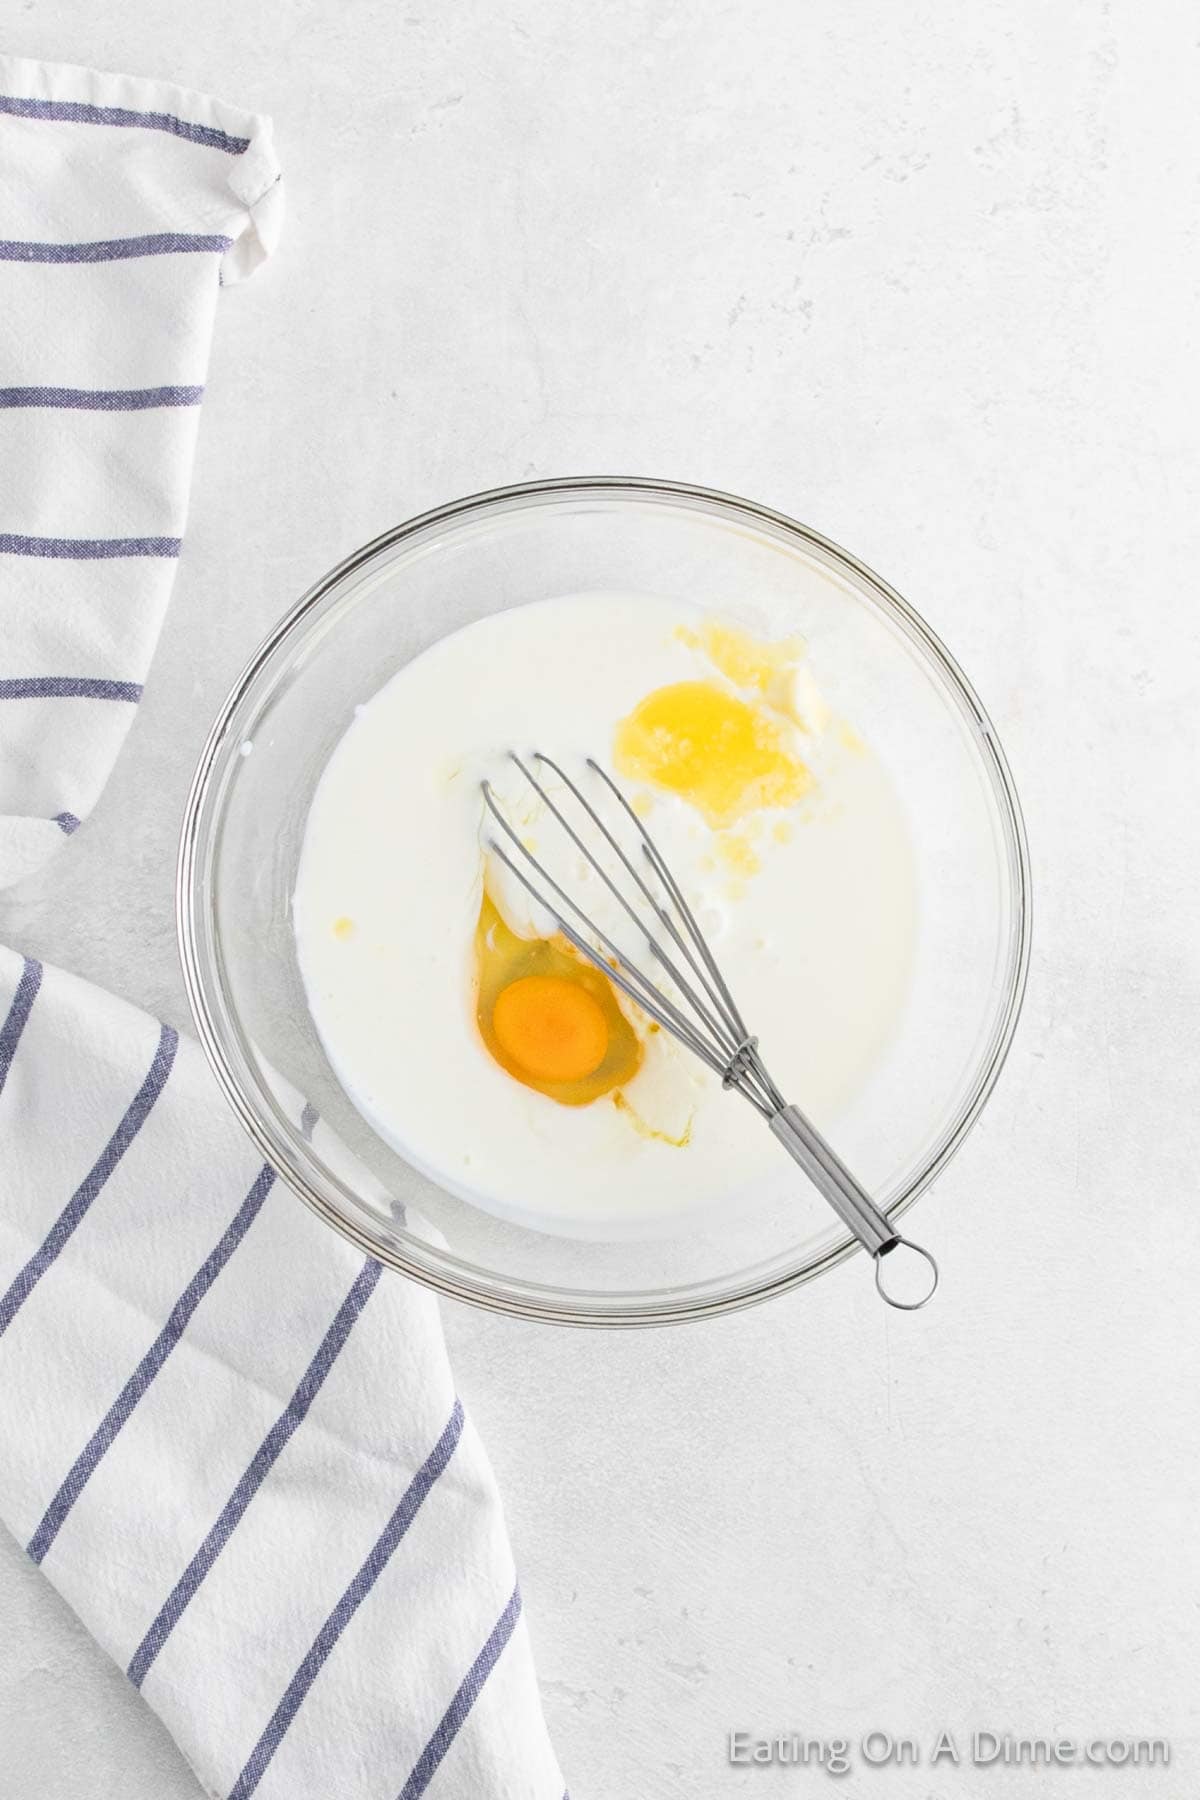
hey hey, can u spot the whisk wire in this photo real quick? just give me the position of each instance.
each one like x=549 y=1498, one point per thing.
x=730 y=1051
x=743 y=1068
x=628 y=976
x=673 y=889
x=728 y=1024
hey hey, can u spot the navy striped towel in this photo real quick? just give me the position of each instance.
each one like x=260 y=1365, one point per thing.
x=232 y=1444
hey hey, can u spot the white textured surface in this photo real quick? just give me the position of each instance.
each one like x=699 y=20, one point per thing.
x=921 y=276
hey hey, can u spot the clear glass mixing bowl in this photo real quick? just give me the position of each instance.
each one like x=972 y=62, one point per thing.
x=879 y=665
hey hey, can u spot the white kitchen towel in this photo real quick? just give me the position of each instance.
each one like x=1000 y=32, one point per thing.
x=229 y=1441
x=123 y=205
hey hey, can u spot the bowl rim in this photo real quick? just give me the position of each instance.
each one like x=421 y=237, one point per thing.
x=531 y=1302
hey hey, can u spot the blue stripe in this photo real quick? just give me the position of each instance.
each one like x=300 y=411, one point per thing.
x=347 y=1606
x=68 y=687
x=101 y=399
x=118 y=1413
x=67 y=822
x=18 y=1015
x=264 y=1460
x=90 y=1186
x=79 y=112
x=88 y=549
x=454 y=1715
x=158 y=243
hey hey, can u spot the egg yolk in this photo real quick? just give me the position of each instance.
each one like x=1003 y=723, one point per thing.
x=548 y=1016
x=550 y=1027
x=728 y=757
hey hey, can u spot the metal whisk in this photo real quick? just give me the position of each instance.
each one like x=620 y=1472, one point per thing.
x=711 y=1027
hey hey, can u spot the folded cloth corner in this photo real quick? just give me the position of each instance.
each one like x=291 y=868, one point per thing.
x=126 y=204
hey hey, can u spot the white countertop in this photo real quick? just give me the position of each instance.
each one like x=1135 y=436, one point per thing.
x=922 y=277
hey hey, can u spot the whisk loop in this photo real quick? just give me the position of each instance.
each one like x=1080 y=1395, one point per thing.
x=704 y=1017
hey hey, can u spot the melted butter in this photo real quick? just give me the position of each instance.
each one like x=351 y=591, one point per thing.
x=737 y=853
x=728 y=757
x=748 y=662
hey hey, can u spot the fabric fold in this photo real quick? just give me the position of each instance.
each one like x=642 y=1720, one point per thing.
x=232 y=1443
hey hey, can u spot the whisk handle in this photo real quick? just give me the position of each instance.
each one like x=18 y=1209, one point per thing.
x=830 y=1176
x=853 y=1205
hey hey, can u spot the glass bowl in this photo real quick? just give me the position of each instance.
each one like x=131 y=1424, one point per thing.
x=879 y=665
